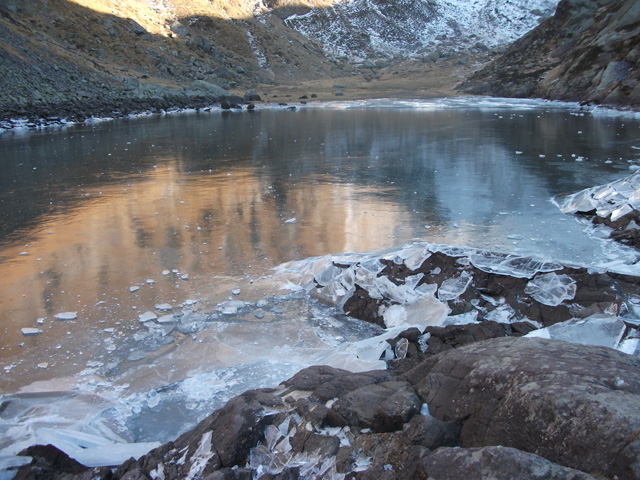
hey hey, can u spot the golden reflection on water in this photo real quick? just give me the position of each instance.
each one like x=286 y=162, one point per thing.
x=211 y=226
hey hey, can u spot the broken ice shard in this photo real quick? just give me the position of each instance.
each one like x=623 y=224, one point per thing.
x=31 y=331
x=66 y=316
x=454 y=287
x=163 y=307
x=600 y=330
x=147 y=317
x=551 y=289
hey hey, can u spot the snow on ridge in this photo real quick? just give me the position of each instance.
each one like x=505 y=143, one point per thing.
x=374 y=28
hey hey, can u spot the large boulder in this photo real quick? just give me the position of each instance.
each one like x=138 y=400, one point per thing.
x=498 y=463
x=571 y=404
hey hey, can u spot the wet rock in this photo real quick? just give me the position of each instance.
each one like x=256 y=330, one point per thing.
x=500 y=463
x=547 y=397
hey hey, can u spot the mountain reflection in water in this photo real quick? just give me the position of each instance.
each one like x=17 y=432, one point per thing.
x=88 y=212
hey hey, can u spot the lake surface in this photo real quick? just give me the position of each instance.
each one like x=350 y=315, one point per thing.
x=190 y=207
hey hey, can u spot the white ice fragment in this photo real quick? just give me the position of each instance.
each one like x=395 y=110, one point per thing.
x=134 y=288
x=513 y=266
x=150 y=281
x=290 y=221
x=599 y=330
x=235 y=291
x=43 y=365
x=621 y=212
x=425 y=311
x=164 y=319
x=31 y=331
x=229 y=310
x=402 y=347
x=503 y=314
x=424 y=410
x=165 y=272
x=200 y=457
x=190 y=301
x=185 y=276
x=258 y=313
x=551 y=289
x=163 y=307
x=630 y=346
x=452 y=288
x=40 y=321
x=147 y=317
x=462 y=319
x=66 y=316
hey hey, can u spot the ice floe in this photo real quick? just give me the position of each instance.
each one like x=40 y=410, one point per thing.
x=66 y=316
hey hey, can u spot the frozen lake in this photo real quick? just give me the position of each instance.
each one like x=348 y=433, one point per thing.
x=178 y=215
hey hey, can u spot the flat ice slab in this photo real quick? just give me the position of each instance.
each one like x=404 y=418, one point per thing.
x=66 y=316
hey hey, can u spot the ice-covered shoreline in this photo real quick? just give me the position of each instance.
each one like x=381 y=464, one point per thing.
x=421 y=286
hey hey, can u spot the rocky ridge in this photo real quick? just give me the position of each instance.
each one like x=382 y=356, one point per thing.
x=105 y=58
x=588 y=52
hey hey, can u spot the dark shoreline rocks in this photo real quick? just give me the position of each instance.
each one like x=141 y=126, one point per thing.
x=501 y=408
x=456 y=400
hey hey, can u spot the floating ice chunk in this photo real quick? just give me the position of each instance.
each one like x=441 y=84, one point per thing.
x=424 y=410
x=235 y=291
x=258 y=313
x=600 y=330
x=185 y=276
x=66 y=316
x=150 y=281
x=31 y=331
x=551 y=289
x=43 y=365
x=454 y=287
x=147 y=317
x=165 y=272
x=290 y=221
x=163 y=307
x=134 y=288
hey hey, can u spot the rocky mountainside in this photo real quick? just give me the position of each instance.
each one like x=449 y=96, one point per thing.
x=90 y=57
x=588 y=51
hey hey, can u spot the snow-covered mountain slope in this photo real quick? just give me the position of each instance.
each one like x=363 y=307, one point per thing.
x=373 y=28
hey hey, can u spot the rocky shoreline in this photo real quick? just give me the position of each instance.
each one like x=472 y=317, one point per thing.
x=463 y=395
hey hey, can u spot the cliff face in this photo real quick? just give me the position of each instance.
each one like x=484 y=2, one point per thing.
x=588 y=51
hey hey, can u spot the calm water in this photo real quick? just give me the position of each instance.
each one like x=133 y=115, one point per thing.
x=218 y=200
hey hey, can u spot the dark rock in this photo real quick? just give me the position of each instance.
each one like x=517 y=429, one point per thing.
x=383 y=407
x=499 y=463
x=47 y=460
x=572 y=404
x=252 y=96
x=431 y=433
